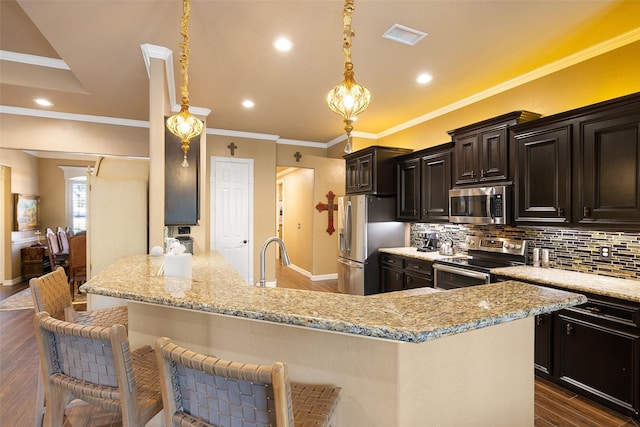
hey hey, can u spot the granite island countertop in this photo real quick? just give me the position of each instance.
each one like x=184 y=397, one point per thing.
x=575 y=281
x=215 y=287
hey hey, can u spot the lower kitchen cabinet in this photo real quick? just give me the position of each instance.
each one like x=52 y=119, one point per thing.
x=542 y=357
x=592 y=349
x=398 y=273
x=600 y=360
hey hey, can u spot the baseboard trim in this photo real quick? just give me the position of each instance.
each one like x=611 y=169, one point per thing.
x=313 y=278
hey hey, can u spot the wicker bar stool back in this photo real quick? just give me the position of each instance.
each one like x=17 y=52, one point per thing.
x=50 y=293
x=202 y=391
x=95 y=364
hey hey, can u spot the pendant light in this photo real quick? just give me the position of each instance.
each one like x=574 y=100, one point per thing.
x=184 y=125
x=348 y=98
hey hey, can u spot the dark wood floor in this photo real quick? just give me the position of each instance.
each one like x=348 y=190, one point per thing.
x=19 y=366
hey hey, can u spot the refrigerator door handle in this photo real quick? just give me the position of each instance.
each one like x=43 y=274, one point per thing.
x=348 y=227
x=351 y=263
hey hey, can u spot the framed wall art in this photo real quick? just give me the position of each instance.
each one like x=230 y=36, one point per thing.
x=26 y=212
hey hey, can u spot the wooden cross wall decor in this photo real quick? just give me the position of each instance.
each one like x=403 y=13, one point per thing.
x=297 y=155
x=329 y=207
x=232 y=147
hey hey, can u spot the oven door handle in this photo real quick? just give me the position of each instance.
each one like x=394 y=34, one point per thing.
x=461 y=272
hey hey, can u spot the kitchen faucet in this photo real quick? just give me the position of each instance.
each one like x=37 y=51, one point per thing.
x=285 y=257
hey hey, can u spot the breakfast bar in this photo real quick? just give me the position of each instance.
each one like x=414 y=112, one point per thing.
x=461 y=357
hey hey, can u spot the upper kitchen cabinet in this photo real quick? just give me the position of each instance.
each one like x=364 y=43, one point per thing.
x=424 y=180
x=608 y=169
x=580 y=167
x=182 y=195
x=481 y=150
x=542 y=173
x=372 y=170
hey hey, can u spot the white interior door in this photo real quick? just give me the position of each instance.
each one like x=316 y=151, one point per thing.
x=232 y=212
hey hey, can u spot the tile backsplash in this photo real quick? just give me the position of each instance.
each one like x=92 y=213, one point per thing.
x=571 y=249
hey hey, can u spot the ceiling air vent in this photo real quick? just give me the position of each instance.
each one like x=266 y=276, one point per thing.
x=405 y=35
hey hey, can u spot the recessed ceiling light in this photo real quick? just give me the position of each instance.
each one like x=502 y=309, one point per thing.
x=283 y=44
x=247 y=103
x=424 y=78
x=43 y=102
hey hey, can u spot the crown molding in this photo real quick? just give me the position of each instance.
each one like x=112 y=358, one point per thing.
x=32 y=112
x=40 y=61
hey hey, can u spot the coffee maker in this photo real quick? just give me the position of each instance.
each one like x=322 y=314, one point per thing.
x=430 y=242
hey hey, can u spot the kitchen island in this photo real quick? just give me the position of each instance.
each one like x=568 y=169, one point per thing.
x=462 y=357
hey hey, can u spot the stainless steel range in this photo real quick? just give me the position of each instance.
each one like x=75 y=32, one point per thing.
x=483 y=255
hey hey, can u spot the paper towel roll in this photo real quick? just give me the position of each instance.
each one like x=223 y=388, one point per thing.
x=177 y=265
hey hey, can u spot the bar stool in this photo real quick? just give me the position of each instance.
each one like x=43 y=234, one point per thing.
x=50 y=293
x=203 y=391
x=96 y=364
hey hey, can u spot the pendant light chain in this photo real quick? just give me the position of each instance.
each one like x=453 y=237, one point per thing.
x=184 y=50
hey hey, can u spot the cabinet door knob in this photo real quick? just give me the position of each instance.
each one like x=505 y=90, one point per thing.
x=539 y=320
x=569 y=329
x=473 y=174
x=483 y=173
x=560 y=211
x=586 y=211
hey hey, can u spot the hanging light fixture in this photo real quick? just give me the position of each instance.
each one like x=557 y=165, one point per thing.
x=348 y=98
x=184 y=125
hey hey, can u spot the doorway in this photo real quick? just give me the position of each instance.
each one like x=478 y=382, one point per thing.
x=296 y=222
x=232 y=212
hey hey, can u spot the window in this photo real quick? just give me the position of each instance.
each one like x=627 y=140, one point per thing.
x=78 y=199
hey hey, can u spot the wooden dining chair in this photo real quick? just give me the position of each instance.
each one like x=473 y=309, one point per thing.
x=63 y=239
x=204 y=391
x=50 y=293
x=56 y=256
x=96 y=365
x=77 y=261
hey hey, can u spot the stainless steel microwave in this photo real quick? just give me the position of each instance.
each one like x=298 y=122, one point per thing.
x=480 y=205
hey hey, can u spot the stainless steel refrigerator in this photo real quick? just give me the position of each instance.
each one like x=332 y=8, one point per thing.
x=365 y=224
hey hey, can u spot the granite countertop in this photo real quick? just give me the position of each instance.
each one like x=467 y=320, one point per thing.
x=572 y=280
x=412 y=252
x=216 y=287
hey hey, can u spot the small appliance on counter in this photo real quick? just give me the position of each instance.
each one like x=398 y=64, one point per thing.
x=430 y=242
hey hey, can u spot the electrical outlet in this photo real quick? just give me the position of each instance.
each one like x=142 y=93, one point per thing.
x=605 y=251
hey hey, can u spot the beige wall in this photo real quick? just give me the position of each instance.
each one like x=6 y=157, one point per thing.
x=68 y=136
x=607 y=76
x=264 y=201
x=53 y=191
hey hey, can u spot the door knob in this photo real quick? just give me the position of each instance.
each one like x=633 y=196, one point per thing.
x=244 y=241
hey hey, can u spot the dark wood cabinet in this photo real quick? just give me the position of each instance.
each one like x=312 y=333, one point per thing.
x=592 y=349
x=609 y=169
x=399 y=273
x=182 y=191
x=424 y=180
x=481 y=150
x=409 y=189
x=598 y=357
x=543 y=174
x=34 y=261
x=372 y=170
x=580 y=167
x=542 y=357
x=435 y=186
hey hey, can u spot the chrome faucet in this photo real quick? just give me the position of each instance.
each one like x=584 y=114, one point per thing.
x=285 y=257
